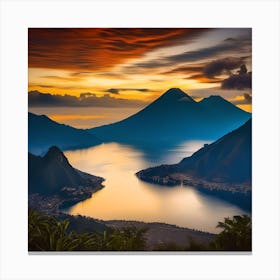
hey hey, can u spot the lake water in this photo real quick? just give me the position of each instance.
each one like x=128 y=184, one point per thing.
x=125 y=197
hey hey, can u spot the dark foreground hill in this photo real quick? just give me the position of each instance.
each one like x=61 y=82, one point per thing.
x=225 y=165
x=51 y=173
x=175 y=117
x=44 y=133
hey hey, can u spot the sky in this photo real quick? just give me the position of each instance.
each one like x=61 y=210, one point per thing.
x=130 y=67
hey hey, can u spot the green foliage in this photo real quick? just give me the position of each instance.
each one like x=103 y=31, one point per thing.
x=49 y=234
x=236 y=234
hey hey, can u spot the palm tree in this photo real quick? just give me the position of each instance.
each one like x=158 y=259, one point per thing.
x=236 y=234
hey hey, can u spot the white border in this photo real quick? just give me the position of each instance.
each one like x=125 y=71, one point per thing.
x=17 y=16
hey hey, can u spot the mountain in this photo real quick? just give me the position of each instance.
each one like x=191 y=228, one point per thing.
x=175 y=117
x=43 y=133
x=49 y=174
x=226 y=163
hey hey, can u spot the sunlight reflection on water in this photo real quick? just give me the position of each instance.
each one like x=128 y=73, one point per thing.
x=127 y=198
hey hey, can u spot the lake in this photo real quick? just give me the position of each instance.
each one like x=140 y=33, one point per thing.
x=125 y=197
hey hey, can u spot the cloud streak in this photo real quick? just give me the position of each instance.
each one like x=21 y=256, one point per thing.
x=118 y=90
x=88 y=99
x=227 y=46
x=93 y=49
x=209 y=72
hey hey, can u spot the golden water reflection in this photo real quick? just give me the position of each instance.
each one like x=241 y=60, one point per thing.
x=127 y=198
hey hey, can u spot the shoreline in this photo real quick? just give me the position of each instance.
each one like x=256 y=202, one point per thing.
x=158 y=233
x=237 y=194
x=54 y=203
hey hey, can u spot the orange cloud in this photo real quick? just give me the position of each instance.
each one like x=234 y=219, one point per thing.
x=95 y=49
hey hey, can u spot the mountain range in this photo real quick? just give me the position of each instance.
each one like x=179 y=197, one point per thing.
x=44 y=133
x=175 y=117
x=227 y=162
x=51 y=173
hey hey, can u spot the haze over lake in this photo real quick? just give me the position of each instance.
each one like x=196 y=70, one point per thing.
x=125 y=197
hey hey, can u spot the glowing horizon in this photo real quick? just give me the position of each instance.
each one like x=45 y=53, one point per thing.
x=134 y=66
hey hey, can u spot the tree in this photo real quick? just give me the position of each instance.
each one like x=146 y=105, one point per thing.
x=236 y=234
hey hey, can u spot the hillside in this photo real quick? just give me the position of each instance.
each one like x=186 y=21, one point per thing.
x=44 y=133
x=49 y=174
x=224 y=164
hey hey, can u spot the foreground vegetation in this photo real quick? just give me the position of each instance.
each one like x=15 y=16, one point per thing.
x=236 y=235
x=47 y=233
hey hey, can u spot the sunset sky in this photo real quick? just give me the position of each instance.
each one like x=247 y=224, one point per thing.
x=130 y=67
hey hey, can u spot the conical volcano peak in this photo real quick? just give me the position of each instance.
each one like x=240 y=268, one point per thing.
x=213 y=98
x=175 y=94
x=174 y=91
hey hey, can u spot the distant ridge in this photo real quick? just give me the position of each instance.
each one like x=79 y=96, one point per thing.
x=44 y=132
x=175 y=117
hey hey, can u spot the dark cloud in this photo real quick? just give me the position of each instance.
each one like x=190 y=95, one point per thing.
x=228 y=46
x=38 y=99
x=193 y=68
x=81 y=73
x=52 y=86
x=117 y=90
x=247 y=98
x=221 y=66
x=230 y=39
x=87 y=99
x=113 y=90
x=208 y=72
x=241 y=80
x=92 y=49
x=243 y=43
x=203 y=53
x=102 y=74
x=45 y=86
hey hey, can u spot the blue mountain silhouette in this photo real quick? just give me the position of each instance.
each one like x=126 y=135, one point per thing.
x=175 y=117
